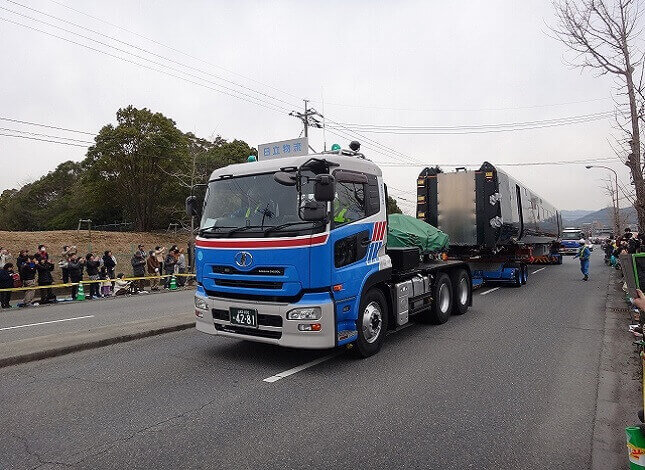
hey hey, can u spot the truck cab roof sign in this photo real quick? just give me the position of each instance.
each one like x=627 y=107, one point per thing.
x=284 y=148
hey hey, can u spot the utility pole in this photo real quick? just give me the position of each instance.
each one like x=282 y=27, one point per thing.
x=309 y=119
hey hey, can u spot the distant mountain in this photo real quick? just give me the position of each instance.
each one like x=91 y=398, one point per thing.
x=574 y=215
x=603 y=216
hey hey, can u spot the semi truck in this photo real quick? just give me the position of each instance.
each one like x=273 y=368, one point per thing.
x=570 y=243
x=293 y=251
x=494 y=222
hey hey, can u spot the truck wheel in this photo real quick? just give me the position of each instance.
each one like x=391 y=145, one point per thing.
x=441 y=301
x=371 y=324
x=517 y=277
x=462 y=290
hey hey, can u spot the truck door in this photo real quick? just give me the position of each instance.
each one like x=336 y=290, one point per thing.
x=352 y=234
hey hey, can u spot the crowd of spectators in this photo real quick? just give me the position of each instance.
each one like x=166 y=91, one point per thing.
x=35 y=270
x=628 y=242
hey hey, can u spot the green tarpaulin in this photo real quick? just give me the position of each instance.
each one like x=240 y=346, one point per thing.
x=405 y=231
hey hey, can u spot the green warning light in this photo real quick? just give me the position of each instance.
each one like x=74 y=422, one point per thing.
x=252 y=158
x=335 y=147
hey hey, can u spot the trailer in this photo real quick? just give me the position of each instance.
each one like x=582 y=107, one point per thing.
x=294 y=251
x=494 y=222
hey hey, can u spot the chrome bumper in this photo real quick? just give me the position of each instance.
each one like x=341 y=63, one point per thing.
x=286 y=335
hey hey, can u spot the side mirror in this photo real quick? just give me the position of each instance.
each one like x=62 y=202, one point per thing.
x=284 y=178
x=325 y=188
x=192 y=207
x=313 y=210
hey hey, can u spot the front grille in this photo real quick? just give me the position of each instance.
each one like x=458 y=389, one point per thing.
x=248 y=331
x=263 y=319
x=248 y=284
x=259 y=271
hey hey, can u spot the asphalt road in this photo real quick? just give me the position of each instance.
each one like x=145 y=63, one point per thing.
x=70 y=317
x=510 y=385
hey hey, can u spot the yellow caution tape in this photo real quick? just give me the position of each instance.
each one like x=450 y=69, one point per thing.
x=71 y=284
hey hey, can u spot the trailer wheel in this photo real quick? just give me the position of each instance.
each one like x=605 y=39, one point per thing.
x=462 y=291
x=517 y=277
x=371 y=324
x=441 y=301
x=525 y=273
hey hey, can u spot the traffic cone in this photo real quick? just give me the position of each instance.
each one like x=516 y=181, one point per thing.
x=173 y=282
x=80 y=293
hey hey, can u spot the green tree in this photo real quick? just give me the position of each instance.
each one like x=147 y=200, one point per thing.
x=392 y=206
x=130 y=164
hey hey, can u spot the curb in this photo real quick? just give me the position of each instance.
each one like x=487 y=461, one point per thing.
x=618 y=393
x=34 y=349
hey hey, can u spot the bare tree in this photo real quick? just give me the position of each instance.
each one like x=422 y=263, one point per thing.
x=602 y=33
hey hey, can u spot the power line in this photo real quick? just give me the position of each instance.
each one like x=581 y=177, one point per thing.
x=509 y=108
x=46 y=135
x=43 y=140
x=159 y=64
x=254 y=101
x=45 y=125
x=186 y=54
x=481 y=129
x=132 y=46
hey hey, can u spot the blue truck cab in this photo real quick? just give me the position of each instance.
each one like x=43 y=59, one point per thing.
x=570 y=241
x=292 y=252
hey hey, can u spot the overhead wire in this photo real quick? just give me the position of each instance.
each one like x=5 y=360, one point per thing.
x=134 y=46
x=232 y=92
x=43 y=140
x=186 y=54
x=2 y=118
x=45 y=135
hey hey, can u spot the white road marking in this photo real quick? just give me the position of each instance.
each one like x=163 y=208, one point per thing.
x=315 y=362
x=490 y=290
x=44 y=322
x=538 y=270
x=295 y=370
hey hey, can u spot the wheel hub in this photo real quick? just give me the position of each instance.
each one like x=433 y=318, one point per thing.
x=372 y=322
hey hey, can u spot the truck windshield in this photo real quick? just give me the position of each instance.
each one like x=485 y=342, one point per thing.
x=252 y=204
x=572 y=235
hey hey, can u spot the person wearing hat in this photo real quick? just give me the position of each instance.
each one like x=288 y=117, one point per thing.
x=584 y=253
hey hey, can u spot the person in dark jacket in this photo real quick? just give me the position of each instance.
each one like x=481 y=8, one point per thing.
x=75 y=269
x=138 y=262
x=21 y=259
x=6 y=282
x=110 y=263
x=28 y=276
x=169 y=266
x=45 y=268
x=92 y=265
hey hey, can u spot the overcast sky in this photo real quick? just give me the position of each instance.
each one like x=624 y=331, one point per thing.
x=437 y=63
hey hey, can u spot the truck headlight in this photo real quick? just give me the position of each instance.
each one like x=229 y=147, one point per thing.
x=304 y=313
x=200 y=303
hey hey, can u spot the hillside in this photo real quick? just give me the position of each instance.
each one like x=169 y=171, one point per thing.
x=574 y=214
x=604 y=217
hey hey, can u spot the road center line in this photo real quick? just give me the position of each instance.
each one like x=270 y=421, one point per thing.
x=295 y=370
x=45 y=322
x=538 y=270
x=490 y=290
x=315 y=362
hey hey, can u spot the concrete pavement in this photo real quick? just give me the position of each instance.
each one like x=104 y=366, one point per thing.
x=511 y=384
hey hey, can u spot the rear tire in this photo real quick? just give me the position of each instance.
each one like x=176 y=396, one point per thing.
x=441 y=301
x=517 y=277
x=462 y=287
x=371 y=324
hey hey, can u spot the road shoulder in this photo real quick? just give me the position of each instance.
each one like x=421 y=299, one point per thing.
x=619 y=389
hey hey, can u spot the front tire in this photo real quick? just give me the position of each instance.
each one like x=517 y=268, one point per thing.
x=371 y=324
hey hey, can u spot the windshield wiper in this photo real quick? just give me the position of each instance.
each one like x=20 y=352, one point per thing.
x=211 y=228
x=242 y=229
x=277 y=228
